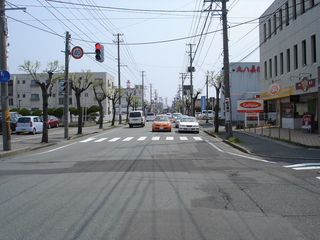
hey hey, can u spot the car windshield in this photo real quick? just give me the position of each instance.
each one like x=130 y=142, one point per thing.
x=189 y=119
x=24 y=120
x=135 y=114
x=162 y=118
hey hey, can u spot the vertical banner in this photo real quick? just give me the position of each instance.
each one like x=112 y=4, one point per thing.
x=203 y=103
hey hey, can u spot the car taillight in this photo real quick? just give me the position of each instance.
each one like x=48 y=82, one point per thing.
x=30 y=124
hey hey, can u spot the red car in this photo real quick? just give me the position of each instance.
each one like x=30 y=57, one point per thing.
x=53 y=121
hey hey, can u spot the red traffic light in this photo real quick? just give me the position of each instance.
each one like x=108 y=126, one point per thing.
x=98 y=46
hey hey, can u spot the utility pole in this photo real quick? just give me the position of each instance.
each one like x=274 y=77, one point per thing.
x=226 y=70
x=6 y=133
x=182 y=100
x=66 y=91
x=119 y=78
x=207 y=83
x=142 y=98
x=151 y=97
x=191 y=70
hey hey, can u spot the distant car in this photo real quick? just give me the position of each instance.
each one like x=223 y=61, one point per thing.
x=53 y=121
x=161 y=123
x=136 y=118
x=169 y=115
x=29 y=124
x=175 y=116
x=189 y=124
x=13 y=123
x=178 y=120
x=150 y=117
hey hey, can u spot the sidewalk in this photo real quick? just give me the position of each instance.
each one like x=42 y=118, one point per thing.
x=265 y=142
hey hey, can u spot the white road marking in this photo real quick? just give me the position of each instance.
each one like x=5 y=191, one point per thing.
x=306 y=168
x=127 y=139
x=87 y=140
x=141 y=138
x=238 y=155
x=155 y=138
x=183 y=138
x=101 y=139
x=114 y=139
x=169 y=138
x=302 y=165
x=197 y=138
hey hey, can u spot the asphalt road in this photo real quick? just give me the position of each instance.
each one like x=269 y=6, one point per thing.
x=131 y=183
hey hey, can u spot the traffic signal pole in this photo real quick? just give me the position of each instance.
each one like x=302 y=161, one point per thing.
x=6 y=134
x=66 y=90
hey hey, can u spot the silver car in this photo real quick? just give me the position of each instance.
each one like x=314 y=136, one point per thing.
x=189 y=124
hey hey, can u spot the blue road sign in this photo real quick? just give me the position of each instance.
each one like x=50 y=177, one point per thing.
x=4 y=76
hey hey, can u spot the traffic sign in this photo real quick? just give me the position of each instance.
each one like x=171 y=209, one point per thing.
x=4 y=76
x=77 y=52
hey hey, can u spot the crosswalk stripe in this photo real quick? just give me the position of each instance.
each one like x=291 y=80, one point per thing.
x=306 y=168
x=87 y=140
x=141 y=138
x=114 y=139
x=168 y=138
x=127 y=139
x=197 y=138
x=101 y=140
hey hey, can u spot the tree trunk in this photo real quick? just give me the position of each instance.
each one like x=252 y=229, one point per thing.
x=78 y=95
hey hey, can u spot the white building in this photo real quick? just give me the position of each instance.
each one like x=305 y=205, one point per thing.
x=25 y=93
x=244 y=84
x=290 y=60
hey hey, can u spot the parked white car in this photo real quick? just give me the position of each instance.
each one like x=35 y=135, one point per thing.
x=29 y=124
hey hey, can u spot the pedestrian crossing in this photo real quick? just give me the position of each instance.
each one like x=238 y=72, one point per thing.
x=142 y=138
x=304 y=166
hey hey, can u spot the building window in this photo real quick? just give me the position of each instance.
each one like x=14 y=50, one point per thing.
x=275 y=24
x=270 y=68
x=304 y=52
x=23 y=95
x=287 y=13
x=295 y=57
x=311 y=2
x=265 y=70
x=265 y=32
x=294 y=9
x=281 y=64
x=302 y=7
x=61 y=101
x=276 y=66
x=34 y=97
x=280 y=19
x=269 y=28
x=288 y=60
x=23 y=81
x=313 y=49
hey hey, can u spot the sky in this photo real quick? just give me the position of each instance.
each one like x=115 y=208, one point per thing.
x=155 y=38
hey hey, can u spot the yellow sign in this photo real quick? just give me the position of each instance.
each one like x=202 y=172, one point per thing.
x=283 y=92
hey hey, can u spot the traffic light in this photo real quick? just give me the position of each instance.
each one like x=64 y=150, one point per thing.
x=99 y=52
x=62 y=86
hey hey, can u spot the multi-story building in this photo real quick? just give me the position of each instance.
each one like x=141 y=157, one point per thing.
x=290 y=61
x=244 y=84
x=25 y=93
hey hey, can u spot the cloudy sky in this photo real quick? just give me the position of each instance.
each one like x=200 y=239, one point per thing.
x=155 y=37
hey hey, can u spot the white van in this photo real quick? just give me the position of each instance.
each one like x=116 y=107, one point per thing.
x=136 y=118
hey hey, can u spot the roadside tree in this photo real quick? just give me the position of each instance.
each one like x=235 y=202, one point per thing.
x=100 y=94
x=114 y=95
x=216 y=82
x=46 y=86
x=80 y=82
